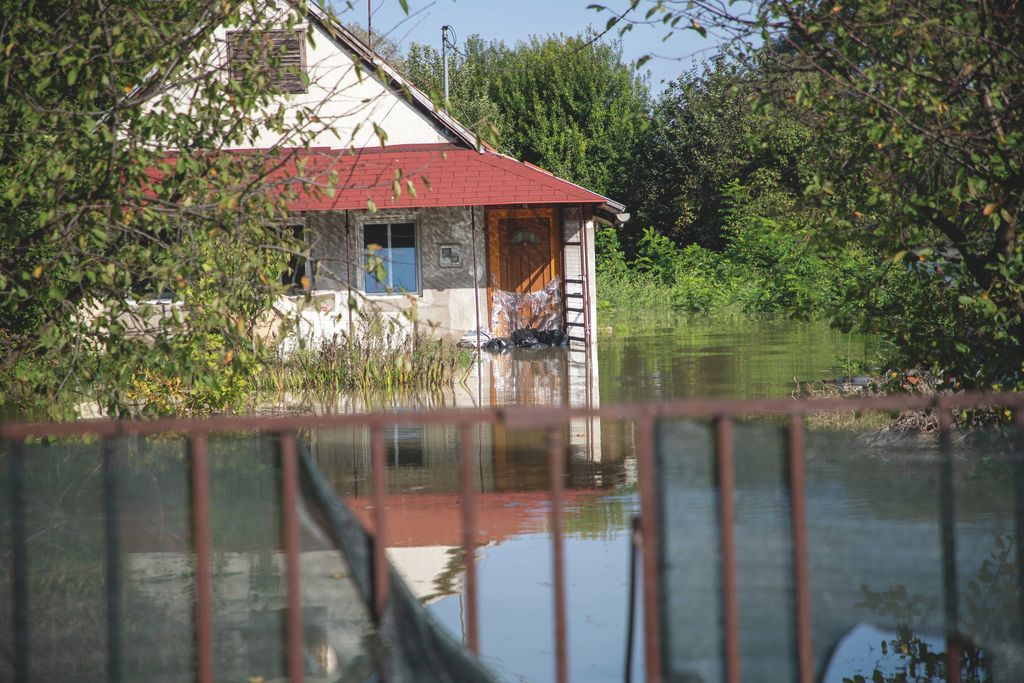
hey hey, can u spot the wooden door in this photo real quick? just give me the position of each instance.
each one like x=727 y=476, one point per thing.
x=523 y=248
x=524 y=254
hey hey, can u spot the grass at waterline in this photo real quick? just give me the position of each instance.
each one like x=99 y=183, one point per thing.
x=377 y=358
x=370 y=363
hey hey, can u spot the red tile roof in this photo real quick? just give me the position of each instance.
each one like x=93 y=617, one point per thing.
x=441 y=175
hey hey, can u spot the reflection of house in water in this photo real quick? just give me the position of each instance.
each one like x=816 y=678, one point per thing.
x=425 y=530
x=512 y=466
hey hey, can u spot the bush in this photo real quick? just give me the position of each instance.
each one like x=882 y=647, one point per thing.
x=769 y=265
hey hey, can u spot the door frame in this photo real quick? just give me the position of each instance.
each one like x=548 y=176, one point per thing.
x=492 y=214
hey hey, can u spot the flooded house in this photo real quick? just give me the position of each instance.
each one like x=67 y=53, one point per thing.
x=464 y=233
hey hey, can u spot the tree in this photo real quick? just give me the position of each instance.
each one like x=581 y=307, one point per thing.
x=113 y=190
x=705 y=133
x=469 y=98
x=930 y=95
x=566 y=103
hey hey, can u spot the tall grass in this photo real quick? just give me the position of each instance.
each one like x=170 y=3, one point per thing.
x=378 y=356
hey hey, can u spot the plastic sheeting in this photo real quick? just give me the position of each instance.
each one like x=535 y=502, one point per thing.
x=541 y=310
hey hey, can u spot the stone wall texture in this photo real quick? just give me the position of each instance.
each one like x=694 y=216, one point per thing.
x=446 y=298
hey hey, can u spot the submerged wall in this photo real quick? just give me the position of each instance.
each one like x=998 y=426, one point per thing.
x=445 y=299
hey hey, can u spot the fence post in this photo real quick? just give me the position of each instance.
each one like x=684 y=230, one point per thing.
x=947 y=523
x=1017 y=465
x=290 y=532
x=202 y=539
x=801 y=572
x=649 y=517
x=556 y=466
x=381 y=577
x=112 y=532
x=469 y=532
x=19 y=562
x=727 y=522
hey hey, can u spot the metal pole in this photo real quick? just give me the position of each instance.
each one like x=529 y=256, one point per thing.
x=646 y=456
x=1017 y=467
x=556 y=465
x=801 y=573
x=19 y=562
x=348 y=270
x=290 y=531
x=379 y=475
x=947 y=523
x=203 y=540
x=369 y=24
x=444 y=62
x=727 y=520
x=469 y=533
x=476 y=287
x=113 y=561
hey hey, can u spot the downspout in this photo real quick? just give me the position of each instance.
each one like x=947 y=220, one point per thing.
x=476 y=316
x=479 y=365
x=476 y=282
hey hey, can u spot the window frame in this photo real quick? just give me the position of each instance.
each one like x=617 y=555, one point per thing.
x=390 y=290
x=297 y=223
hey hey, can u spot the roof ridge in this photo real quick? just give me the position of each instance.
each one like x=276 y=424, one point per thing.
x=337 y=31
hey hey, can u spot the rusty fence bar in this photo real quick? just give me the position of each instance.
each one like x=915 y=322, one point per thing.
x=947 y=523
x=1017 y=463
x=467 y=480
x=290 y=532
x=646 y=417
x=111 y=522
x=514 y=416
x=19 y=561
x=727 y=521
x=801 y=572
x=646 y=444
x=381 y=577
x=556 y=465
x=202 y=540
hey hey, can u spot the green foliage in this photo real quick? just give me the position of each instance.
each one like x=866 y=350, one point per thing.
x=469 y=99
x=96 y=215
x=705 y=132
x=656 y=257
x=611 y=260
x=566 y=103
x=915 y=114
x=768 y=266
x=204 y=382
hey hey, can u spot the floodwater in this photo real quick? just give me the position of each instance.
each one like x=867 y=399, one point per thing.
x=879 y=589
x=636 y=360
x=882 y=532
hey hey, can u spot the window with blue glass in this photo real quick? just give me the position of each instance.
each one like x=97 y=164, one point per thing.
x=395 y=245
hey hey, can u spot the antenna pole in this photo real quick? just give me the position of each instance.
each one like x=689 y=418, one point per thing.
x=444 y=62
x=369 y=24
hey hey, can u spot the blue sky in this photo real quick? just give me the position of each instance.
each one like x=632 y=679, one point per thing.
x=512 y=20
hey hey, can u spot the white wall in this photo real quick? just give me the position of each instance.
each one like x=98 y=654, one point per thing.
x=345 y=101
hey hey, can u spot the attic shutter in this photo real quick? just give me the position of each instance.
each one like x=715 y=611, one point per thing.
x=279 y=53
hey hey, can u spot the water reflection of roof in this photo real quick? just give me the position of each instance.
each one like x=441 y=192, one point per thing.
x=435 y=519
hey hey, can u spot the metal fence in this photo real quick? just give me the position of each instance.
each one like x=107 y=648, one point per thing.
x=644 y=416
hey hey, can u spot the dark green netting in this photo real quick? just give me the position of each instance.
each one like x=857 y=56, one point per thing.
x=64 y=516
x=874 y=526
